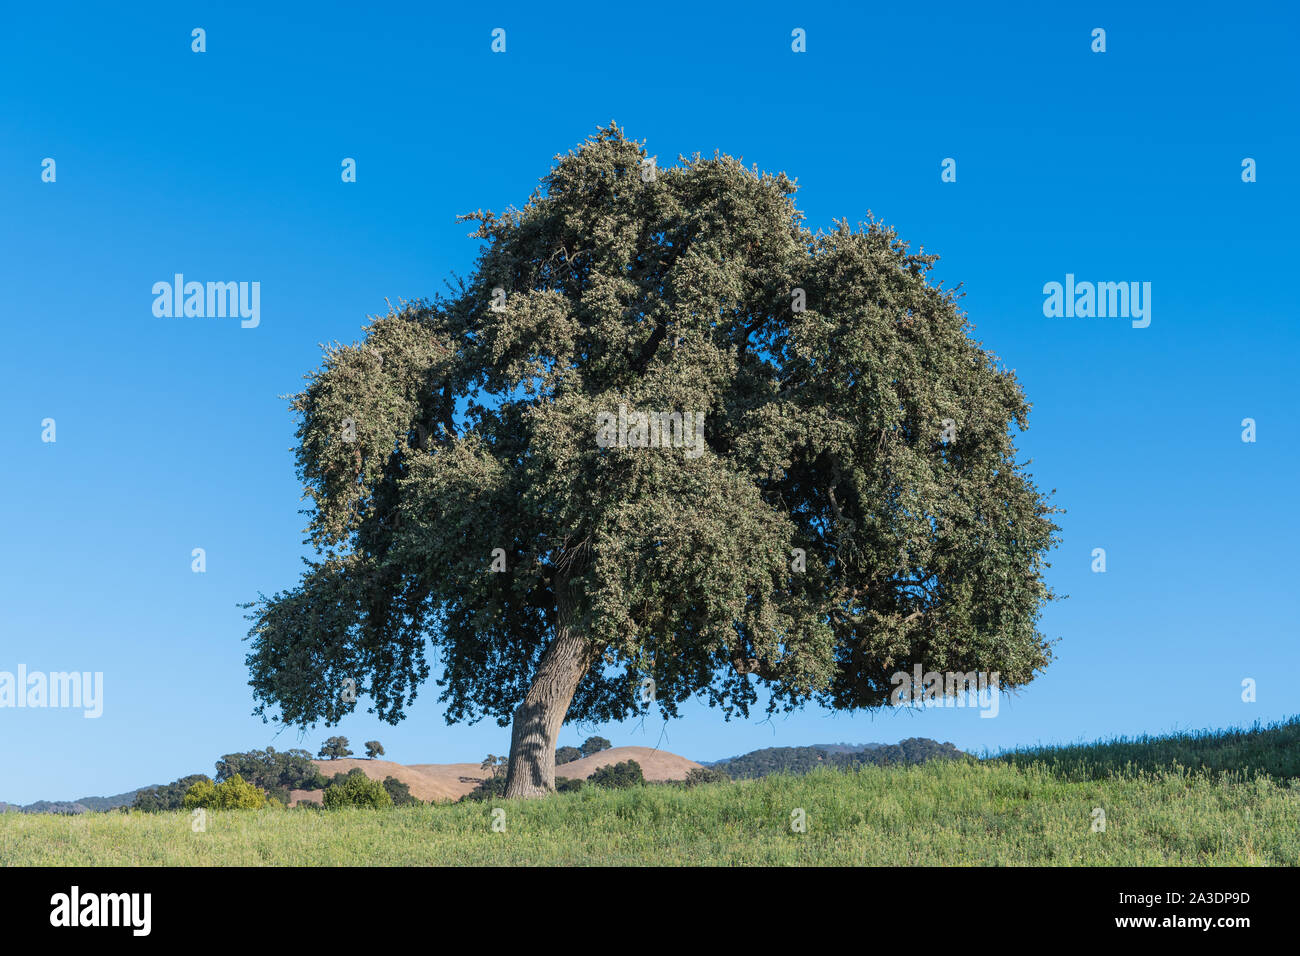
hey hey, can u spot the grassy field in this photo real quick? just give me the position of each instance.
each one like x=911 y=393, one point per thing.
x=941 y=813
x=1272 y=750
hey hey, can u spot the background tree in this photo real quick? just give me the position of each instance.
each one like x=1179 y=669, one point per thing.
x=565 y=755
x=167 y=797
x=594 y=745
x=270 y=769
x=399 y=792
x=618 y=776
x=856 y=506
x=374 y=749
x=334 y=748
x=494 y=763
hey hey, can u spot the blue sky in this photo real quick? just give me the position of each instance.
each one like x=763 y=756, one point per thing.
x=225 y=165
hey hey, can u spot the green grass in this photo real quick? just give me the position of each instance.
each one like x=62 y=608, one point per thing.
x=941 y=813
x=1272 y=750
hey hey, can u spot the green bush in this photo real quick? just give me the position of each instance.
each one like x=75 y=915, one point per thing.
x=357 y=790
x=566 y=785
x=567 y=755
x=618 y=776
x=487 y=789
x=698 y=775
x=399 y=792
x=232 y=794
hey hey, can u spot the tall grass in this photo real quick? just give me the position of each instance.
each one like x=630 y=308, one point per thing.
x=1272 y=750
x=943 y=813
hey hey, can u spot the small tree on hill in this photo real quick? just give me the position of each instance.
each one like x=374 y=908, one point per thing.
x=334 y=748
x=594 y=745
x=567 y=755
x=374 y=749
x=494 y=763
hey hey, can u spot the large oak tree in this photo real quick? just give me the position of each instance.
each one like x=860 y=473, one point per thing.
x=858 y=507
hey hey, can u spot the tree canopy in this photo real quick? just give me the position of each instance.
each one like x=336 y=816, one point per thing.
x=851 y=504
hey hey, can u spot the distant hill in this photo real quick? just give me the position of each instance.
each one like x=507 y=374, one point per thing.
x=451 y=781
x=83 y=805
x=829 y=748
x=437 y=782
x=655 y=764
x=760 y=763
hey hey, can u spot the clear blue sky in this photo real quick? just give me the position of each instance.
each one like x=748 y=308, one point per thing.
x=225 y=165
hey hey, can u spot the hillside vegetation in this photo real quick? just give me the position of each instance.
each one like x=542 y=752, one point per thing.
x=760 y=763
x=1264 y=749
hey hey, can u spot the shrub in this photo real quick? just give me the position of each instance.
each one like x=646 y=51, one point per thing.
x=698 y=775
x=567 y=755
x=399 y=792
x=357 y=790
x=487 y=789
x=232 y=794
x=567 y=785
x=618 y=776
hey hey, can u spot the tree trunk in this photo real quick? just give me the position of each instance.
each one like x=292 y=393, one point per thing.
x=538 y=719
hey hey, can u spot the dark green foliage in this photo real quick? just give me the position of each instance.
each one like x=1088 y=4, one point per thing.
x=824 y=435
x=698 y=775
x=399 y=792
x=374 y=749
x=594 y=745
x=168 y=797
x=490 y=788
x=618 y=776
x=340 y=777
x=356 y=790
x=1272 y=750
x=760 y=763
x=272 y=769
x=566 y=785
x=567 y=755
x=334 y=748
